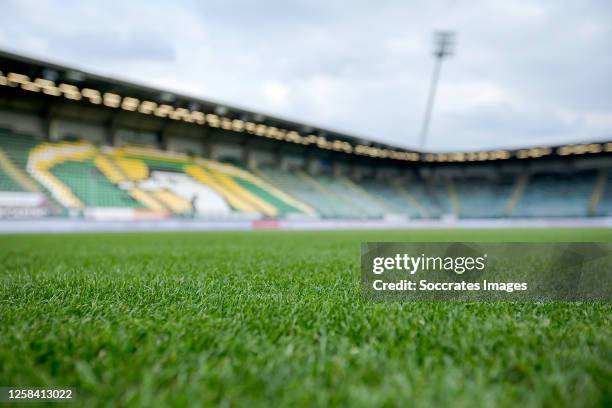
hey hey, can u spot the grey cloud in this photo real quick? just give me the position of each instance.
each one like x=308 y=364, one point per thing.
x=141 y=46
x=529 y=72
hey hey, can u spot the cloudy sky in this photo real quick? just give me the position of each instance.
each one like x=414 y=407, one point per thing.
x=525 y=72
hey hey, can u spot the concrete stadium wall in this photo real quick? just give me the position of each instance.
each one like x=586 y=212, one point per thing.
x=60 y=129
x=23 y=122
x=227 y=151
x=130 y=136
x=185 y=145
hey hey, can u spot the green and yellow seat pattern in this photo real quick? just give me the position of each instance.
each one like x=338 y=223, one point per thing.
x=243 y=191
x=80 y=175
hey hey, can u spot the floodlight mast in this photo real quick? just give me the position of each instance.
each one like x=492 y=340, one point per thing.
x=444 y=42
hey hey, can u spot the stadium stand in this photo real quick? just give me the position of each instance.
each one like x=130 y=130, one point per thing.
x=81 y=144
x=602 y=202
x=556 y=195
x=7 y=183
x=484 y=198
x=434 y=195
x=91 y=187
x=393 y=197
x=312 y=192
x=80 y=175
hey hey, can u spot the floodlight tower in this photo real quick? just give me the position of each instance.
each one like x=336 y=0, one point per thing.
x=444 y=42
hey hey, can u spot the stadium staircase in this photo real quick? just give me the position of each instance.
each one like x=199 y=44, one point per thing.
x=517 y=193
x=454 y=197
x=604 y=206
x=598 y=191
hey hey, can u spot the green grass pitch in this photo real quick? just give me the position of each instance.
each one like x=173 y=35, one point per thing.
x=276 y=318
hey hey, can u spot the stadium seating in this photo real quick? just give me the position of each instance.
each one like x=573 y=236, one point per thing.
x=603 y=198
x=7 y=183
x=317 y=194
x=484 y=198
x=556 y=195
x=396 y=198
x=91 y=187
x=434 y=195
x=78 y=175
x=17 y=145
x=14 y=153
